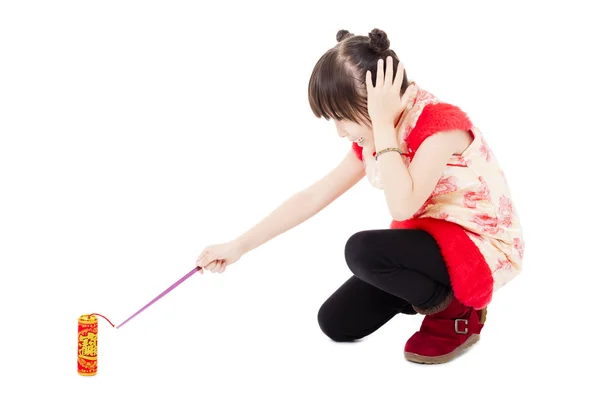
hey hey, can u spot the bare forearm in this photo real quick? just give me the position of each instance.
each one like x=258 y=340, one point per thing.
x=395 y=177
x=292 y=212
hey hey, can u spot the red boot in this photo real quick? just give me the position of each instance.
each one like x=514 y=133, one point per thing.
x=444 y=334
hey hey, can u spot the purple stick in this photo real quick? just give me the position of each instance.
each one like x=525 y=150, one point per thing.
x=170 y=288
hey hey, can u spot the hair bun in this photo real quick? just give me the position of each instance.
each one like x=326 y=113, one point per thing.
x=379 y=40
x=342 y=35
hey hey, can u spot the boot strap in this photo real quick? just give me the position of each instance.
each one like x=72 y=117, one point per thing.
x=447 y=326
x=465 y=325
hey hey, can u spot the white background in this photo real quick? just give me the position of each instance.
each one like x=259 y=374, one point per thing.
x=134 y=134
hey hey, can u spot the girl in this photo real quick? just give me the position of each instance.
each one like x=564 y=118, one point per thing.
x=455 y=237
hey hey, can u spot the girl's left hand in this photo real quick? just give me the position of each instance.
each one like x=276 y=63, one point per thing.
x=384 y=102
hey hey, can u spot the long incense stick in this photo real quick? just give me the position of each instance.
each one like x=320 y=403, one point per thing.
x=170 y=288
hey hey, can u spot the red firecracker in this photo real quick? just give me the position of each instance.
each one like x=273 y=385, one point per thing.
x=87 y=344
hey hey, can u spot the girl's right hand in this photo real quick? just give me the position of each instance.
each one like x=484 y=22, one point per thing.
x=217 y=257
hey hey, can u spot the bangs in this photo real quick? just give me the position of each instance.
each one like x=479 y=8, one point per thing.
x=332 y=91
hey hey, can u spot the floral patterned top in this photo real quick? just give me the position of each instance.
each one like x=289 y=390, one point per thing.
x=472 y=193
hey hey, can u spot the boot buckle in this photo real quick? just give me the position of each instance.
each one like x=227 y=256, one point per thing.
x=465 y=321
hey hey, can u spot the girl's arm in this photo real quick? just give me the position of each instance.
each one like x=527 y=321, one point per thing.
x=407 y=188
x=306 y=203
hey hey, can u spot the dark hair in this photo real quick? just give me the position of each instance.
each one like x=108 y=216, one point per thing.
x=337 y=86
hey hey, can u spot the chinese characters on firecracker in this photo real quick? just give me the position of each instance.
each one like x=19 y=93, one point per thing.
x=88 y=345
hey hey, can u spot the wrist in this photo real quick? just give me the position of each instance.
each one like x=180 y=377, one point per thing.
x=384 y=135
x=243 y=243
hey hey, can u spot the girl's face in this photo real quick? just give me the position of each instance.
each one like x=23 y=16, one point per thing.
x=353 y=131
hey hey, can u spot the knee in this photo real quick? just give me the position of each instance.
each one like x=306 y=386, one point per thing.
x=331 y=325
x=357 y=252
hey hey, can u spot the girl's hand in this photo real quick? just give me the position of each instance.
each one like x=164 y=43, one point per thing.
x=384 y=102
x=217 y=257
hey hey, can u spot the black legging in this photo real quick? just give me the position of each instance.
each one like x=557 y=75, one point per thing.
x=394 y=269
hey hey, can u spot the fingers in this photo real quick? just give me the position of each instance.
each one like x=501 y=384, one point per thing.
x=216 y=266
x=409 y=96
x=205 y=258
x=369 y=81
x=209 y=260
x=399 y=76
x=386 y=77
x=389 y=70
x=379 y=79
